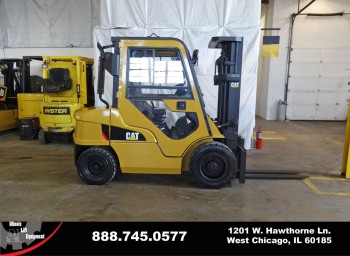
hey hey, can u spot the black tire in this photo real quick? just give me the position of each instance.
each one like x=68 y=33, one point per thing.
x=43 y=137
x=213 y=165
x=97 y=166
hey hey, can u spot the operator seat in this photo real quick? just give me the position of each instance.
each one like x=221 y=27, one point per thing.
x=141 y=104
x=185 y=125
x=181 y=127
x=59 y=80
x=35 y=83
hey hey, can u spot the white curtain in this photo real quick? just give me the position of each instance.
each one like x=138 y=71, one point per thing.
x=48 y=23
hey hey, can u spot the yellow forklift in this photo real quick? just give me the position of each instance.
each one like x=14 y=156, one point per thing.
x=16 y=81
x=66 y=87
x=156 y=122
x=30 y=98
x=8 y=111
x=8 y=94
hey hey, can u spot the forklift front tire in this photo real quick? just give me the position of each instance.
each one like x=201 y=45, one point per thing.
x=43 y=137
x=213 y=165
x=97 y=166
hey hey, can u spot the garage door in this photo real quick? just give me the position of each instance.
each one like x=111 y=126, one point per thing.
x=319 y=70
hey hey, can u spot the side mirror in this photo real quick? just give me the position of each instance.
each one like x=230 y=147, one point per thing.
x=194 y=58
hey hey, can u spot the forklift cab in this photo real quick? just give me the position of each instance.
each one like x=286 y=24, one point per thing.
x=156 y=76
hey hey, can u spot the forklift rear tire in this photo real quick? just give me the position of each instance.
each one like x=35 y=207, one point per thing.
x=43 y=137
x=213 y=165
x=97 y=166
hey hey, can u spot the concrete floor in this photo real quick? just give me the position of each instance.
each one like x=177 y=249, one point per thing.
x=40 y=182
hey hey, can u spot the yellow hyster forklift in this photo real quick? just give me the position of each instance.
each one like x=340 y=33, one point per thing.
x=156 y=122
x=67 y=86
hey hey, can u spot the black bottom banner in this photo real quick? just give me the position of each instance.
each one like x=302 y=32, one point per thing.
x=174 y=238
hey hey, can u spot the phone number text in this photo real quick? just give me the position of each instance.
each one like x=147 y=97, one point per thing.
x=143 y=236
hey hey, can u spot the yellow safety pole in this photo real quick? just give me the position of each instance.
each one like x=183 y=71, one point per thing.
x=346 y=154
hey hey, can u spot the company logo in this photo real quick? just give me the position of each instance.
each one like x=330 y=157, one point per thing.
x=234 y=84
x=56 y=110
x=19 y=238
x=132 y=135
x=117 y=133
x=17 y=233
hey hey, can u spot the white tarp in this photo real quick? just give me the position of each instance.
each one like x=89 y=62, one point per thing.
x=194 y=22
x=47 y=23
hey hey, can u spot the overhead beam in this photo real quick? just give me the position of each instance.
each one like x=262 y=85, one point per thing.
x=306 y=6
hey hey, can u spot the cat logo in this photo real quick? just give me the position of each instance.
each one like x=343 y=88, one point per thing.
x=234 y=84
x=132 y=136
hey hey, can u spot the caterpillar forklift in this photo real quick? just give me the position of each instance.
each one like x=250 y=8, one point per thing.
x=156 y=122
x=67 y=86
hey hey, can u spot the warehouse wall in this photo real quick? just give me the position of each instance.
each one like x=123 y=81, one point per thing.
x=320 y=65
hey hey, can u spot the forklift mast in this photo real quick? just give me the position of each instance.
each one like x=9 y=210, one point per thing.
x=17 y=77
x=10 y=79
x=227 y=76
x=25 y=74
